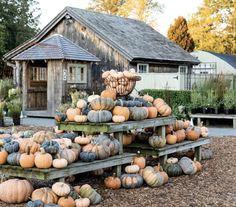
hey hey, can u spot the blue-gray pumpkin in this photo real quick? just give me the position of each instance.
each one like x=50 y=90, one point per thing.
x=87 y=156
x=99 y=116
x=60 y=116
x=70 y=136
x=51 y=147
x=131 y=180
x=51 y=205
x=102 y=104
x=37 y=203
x=138 y=113
x=11 y=147
x=14 y=158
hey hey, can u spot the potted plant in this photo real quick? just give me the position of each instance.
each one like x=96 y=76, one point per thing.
x=196 y=100
x=14 y=111
x=213 y=102
x=229 y=101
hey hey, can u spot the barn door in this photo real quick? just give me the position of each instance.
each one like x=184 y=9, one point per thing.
x=37 y=88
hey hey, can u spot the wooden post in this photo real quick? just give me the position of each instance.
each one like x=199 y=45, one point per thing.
x=24 y=86
x=197 y=153
x=17 y=74
x=199 y=121
x=119 y=137
x=163 y=159
x=234 y=123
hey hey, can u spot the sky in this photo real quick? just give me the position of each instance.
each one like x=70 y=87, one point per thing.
x=172 y=9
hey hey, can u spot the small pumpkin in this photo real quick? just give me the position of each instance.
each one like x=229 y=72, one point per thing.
x=59 y=163
x=198 y=165
x=80 y=118
x=81 y=103
x=68 y=154
x=186 y=124
x=60 y=116
x=172 y=160
x=98 y=172
x=139 y=160
x=169 y=129
x=43 y=160
x=112 y=182
x=204 y=130
x=157 y=141
x=37 y=203
x=83 y=140
x=118 y=119
x=44 y=194
x=114 y=146
x=152 y=112
x=29 y=143
x=131 y=181
x=71 y=113
x=82 y=202
x=180 y=134
x=92 y=97
x=148 y=98
x=132 y=169
x=127 y=139
x=3 y=156
x=108 y=93
x=15 y=191
x=51 y=147
x=11 y=147
x=99 y=116
x=121 y=111
x=27 y=159
x=102 y=104
x=87 y=156
x=171 y=138
x=61 y=189
x=86 y=191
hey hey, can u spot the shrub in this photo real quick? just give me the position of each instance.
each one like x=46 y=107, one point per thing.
x=5 y=86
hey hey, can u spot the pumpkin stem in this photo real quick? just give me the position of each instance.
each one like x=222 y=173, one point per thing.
x=42 y=150
x=114 y=175
x=28 y=150
x=201 y=124
x=138 y=153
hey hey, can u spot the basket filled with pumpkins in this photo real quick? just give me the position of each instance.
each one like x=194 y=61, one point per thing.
x=121 y=82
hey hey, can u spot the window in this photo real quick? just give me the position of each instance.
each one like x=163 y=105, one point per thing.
x=77 y=73
x=39 y=74
x=143 y=68
x=183 y=69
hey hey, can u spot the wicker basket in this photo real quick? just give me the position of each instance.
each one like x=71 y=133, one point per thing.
x=122 y=85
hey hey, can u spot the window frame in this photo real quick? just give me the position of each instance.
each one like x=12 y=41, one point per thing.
x=143 y=64
x=77 y=68
x=186 y=69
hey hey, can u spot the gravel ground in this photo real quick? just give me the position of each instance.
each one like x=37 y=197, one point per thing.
x=214 y=186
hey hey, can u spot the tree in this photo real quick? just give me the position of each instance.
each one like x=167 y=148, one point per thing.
x=178 y=33
x=18 y=23
x=143 y=10
x=213 y=26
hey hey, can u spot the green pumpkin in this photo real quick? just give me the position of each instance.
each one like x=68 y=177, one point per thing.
x=157 y=141
x=99 y=116
x=102 y=104
x=86 y=191
x=152 y=178
x=187 y=166
x=137 y=113
x=173 y=170
x=131 y=180
x=37 y=203
x=14 y=158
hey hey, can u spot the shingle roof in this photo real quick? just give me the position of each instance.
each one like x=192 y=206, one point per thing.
x=56 y=47
x=230 y=59
x=135 y=38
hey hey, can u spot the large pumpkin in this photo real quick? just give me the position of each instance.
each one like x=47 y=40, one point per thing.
x=108 y=93
x=99 y=116
x=187 y=166
x=102 y=104
x=44 y=194
x=131 y=180
x=86 y=191
x=152 y=178
x=121 y=111
x=157 y=141
x=15 y=191
x=138 y=113
x=71 y=113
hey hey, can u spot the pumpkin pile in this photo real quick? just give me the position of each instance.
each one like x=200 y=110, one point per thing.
x=45 y=149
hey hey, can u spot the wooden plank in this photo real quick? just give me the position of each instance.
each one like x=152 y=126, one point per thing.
x=75 y=168
x=145 y=148
x=214 y=116
x=114 y=127
x=198 y=154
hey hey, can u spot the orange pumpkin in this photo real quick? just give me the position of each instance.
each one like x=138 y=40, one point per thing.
x=121 y=111
x=108 y=93
x=29 y=143
x=158 y=102
x=71 y=113
x=186 y=124
x=112 y=182
x=171 y=138
x=127 y=139
x=152 y=112
x=198 y=166
x=148 y=98
x=169 y=129
x=180 y=135
x=27 y=159
x=193 y=133
x=3 y=157
x=66 y=202
x=179 y=124
x=139 y=160
x=43 y=160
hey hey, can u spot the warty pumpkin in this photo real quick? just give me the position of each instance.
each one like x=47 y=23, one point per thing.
x=43 y=160
x=121 y=111
x=139 y=160
x=44 y=194
x=61 y=189
x=112 y=182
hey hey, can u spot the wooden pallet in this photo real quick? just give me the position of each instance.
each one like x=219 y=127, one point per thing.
x=72 y=169
x=162 y=153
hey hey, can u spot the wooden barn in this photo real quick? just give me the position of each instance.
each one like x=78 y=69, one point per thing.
x=77 y=45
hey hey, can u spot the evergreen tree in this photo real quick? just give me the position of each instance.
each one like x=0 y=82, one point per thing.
x=178 y=33
x=213 y=26
x=18 y=23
